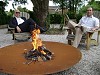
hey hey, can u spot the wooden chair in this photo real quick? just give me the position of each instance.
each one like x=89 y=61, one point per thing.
x=87 y=38
x=20 y=36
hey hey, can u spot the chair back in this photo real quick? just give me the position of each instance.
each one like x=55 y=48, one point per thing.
x=66 y=19
x=25 y=14
x=97 y=15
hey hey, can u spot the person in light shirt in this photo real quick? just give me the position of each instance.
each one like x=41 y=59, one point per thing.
x=86 y=23
x=22 y=25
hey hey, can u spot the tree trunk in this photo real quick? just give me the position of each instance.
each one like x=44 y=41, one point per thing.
x=70 y=7
x=41 y=10
x=62 y=7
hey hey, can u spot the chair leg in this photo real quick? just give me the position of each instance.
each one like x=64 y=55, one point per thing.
x=69 y=32
x=98 y=37
x=69 y=42
x=13 y=37
x=13 y=31
x=94 y=42
x=88 y=40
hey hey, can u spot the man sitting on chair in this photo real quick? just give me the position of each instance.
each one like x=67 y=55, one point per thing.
x=86 y=23
x=22 y=25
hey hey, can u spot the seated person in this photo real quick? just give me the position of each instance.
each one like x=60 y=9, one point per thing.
x=86 y=23
x=22 y=25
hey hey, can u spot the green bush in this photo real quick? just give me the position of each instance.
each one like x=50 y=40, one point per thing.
x=3 y=18
x=55 y=18
x=9 y=18
x=78 y=17
x=71 y=14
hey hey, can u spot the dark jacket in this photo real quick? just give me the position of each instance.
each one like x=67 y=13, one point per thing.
x=13 y=22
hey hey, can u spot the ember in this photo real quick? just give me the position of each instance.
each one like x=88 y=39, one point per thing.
x=39 y=51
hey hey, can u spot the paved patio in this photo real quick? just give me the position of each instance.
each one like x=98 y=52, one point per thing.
x=88 y=65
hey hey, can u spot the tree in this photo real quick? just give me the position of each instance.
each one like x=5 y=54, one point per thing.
x=72 y=5
x=61 y=2
x=3 y=15
x=2 y=6
x=41 y=10
x=94 y=4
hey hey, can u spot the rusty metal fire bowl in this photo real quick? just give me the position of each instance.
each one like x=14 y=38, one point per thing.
x=12 y=60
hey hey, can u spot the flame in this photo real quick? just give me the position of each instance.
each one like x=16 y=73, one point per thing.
x=36 y=41
x=38 y=49
x=43 y=52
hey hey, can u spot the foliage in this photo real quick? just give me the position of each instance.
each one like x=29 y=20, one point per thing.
x=21 y=1
x=94 y=4
x=2 y=21
x=55 y=18
x=22 y=9
x=2 y=6
x=72 y=5
x=62 y=22
x=47 y=21
x=18 y=2
x=78 y=17
x=72 y=15
x=3 y=16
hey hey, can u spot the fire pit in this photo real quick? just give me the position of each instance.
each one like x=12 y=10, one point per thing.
x=12 y=59
x=28 y=58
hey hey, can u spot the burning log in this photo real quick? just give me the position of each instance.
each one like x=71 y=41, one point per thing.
x=38 y=50
x=41 y=52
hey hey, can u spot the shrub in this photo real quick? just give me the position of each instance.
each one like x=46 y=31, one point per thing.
x=78 y=17
x=55 y=18
x=71 y=14
x=3 y=18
